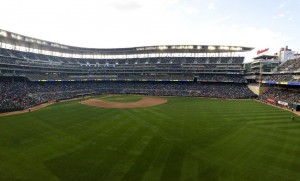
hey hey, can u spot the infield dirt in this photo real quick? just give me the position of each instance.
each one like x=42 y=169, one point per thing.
x=145 y=102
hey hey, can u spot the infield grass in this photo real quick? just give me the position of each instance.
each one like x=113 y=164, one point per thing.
x=183 y=139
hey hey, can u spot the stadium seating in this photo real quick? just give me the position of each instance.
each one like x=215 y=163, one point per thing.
x=290 y=65
x=54 y=78
x=24 y=95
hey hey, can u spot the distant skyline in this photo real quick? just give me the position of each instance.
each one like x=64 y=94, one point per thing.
x=129 y=23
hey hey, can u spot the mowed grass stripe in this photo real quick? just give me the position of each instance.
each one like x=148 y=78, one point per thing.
x=173 y=164
x=140 y=167
x=190 y=168
x=252 y=155
x=99 y=157
x=158 y=163
x=122 y=159
x=184 y=139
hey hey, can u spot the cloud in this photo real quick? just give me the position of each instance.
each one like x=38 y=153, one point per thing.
x=117 y=23
x=221 y=19
x=190 y=10
x=126 y=6
x=285 y=15
x=258 y=38
x=279 y=16
x=211 y=6
x=280 y=6
x=237 y=35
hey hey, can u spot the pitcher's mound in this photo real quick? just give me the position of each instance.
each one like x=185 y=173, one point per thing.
x=145 y=102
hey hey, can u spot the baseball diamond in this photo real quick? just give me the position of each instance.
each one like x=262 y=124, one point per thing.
x=163 y=112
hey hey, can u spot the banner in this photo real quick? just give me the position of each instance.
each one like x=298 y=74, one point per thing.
x=283 y=103
x=271 y=100
x=270 y=82
x=262 y=51
x=293 y=83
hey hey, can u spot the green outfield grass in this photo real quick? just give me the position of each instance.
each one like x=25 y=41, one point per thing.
x=184 y=139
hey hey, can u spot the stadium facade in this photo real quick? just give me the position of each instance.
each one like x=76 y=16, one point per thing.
x=45 y=70
x=43 y=60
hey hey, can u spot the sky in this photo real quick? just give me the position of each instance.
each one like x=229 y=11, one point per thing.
x=129 y=23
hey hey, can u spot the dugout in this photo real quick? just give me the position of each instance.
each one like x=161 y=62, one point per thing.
x=296 y=106
x=10 y=110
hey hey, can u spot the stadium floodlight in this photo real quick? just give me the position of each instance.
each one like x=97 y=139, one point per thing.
x=224 y=48
x=140 y=48
x=3 y=33
x=162 y=47
x=236 y=48
x=15 y=36
x=211 y=48
x=29 y=40
x=180 y=47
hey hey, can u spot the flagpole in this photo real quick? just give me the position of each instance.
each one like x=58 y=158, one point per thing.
x=260 y=78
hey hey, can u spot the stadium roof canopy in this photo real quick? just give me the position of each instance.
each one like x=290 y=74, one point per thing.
x=18 y=40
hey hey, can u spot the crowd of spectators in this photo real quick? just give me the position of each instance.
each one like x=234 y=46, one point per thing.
x=222 y=78
x=290 y=65
x=47 y=76
x=15 y=95
x=6 y=60
x=278 y=78
x=156 y=77
x=282 y=78
x=25 y=95
x=162 y=67
x=189 y=77
x=30 y=59
x=287 y=95
x=149 y=60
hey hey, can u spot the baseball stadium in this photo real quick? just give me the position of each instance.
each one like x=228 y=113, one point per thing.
x=157 y=112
